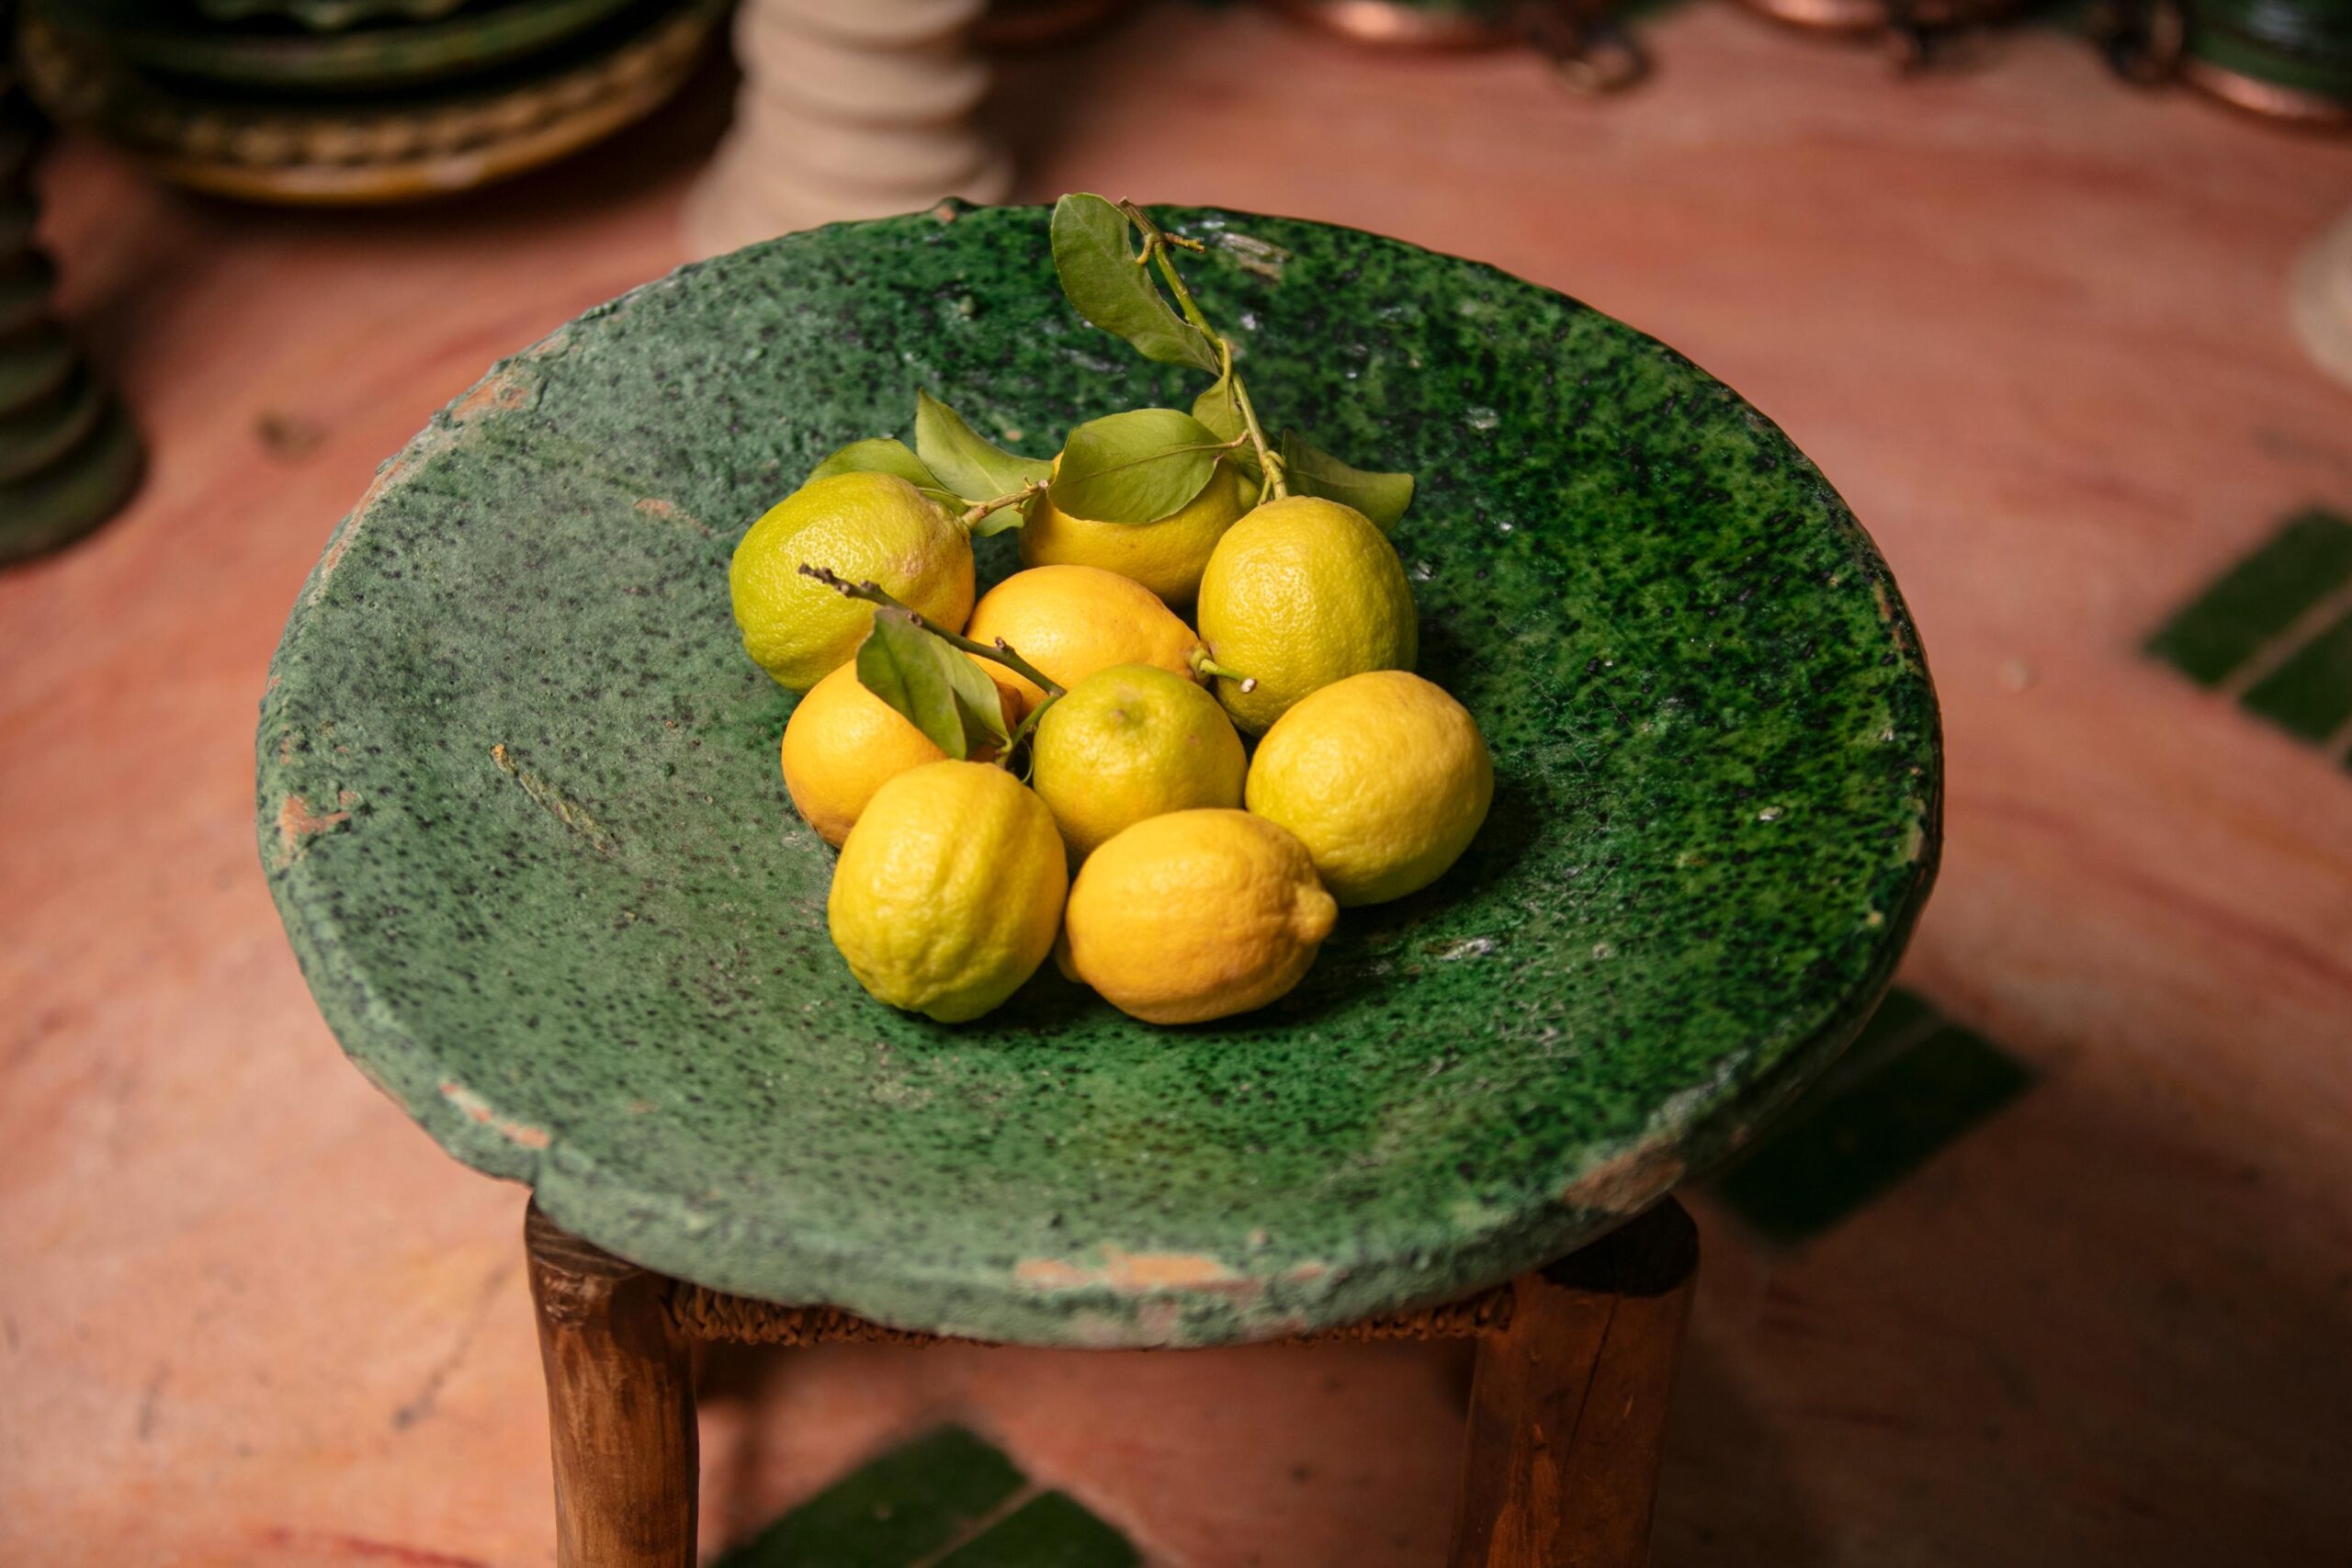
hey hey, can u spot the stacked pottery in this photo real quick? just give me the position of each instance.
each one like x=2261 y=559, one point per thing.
x=1590 y=50
x=69 y=459
x=849 y=108
x=1913 y=32
x=1412 y=24
x=2287 y=59
x=351 y=101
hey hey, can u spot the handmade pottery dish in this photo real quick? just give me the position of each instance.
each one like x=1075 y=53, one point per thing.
x=521 y=809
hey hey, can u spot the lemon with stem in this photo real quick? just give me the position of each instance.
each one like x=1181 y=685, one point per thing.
x=865 y=526
x=1299 y=593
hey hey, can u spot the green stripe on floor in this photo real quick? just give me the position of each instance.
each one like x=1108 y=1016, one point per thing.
x=2310 y=693
x=2258 y=598
x=1050 y=1530
x=1908 y=1086
x=946 y=1500
x=1902 y=1019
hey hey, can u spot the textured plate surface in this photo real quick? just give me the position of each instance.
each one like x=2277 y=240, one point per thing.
x=369 y=60
x=520 y=807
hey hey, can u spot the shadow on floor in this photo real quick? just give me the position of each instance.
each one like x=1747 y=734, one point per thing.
x=2085 y=1333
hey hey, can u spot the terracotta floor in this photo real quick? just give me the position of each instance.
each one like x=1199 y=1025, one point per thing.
x=2030 y=323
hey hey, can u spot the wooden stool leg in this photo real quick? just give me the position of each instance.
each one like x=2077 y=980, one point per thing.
x=620 y=1405
x=1567 y=1414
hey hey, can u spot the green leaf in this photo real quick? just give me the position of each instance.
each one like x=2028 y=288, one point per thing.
x=1381 y=497
x=967 y=462
x=1137 y=467
x=884 y=455
x=936 y=687
x=982 y=706
x=1003 y=519
x=1095 y=256
x=1216 y=410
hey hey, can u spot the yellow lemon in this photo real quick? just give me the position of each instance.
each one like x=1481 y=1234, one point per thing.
x=948 y=890
x=868 y=527
x=1196 y=915
x=843 y=743
x=1299 y=593
x=1129 y=742
x=1383 y=776
x=1070 y=621
x=1167 y=556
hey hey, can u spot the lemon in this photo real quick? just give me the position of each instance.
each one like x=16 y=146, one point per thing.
x=1166 y=557
x=948 y=890
x=873 y=527
x=1129 y=742
x=1383 y=776
x=843 y=743
x=1299 y=593
x=1196 y=915
x=1070 y=621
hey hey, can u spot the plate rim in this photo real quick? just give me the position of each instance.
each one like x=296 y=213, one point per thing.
x=660 y=1231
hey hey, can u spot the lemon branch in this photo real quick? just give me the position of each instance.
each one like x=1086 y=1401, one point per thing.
x=1029 y=722
x=873 y=594
x=1157 y=243
x=1269 y=463
x=1203 y=665
x=981 y=509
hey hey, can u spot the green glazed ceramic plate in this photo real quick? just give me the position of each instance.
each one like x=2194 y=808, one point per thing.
x=367 y=59
x=327 y=16
x=520 y=810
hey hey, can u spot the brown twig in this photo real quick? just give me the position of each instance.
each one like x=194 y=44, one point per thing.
x=874 y=594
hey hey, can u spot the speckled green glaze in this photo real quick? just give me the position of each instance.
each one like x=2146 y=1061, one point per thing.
x=520 y=807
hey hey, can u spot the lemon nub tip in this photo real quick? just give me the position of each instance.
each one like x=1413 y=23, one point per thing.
x=1204 y=665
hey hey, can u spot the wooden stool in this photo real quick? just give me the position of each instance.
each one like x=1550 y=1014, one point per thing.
x=1567 y=1411
x=547 y=889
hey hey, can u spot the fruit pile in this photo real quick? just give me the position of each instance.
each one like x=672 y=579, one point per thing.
x=1059 y=767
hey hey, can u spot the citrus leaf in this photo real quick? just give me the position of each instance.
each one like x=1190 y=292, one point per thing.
x=977 y=699
x=965 y=461
x=1216 y=410
x=933 y=686
x=1381 y=497
x=1095 y=259
x=886 y=455
x=1136 y=467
